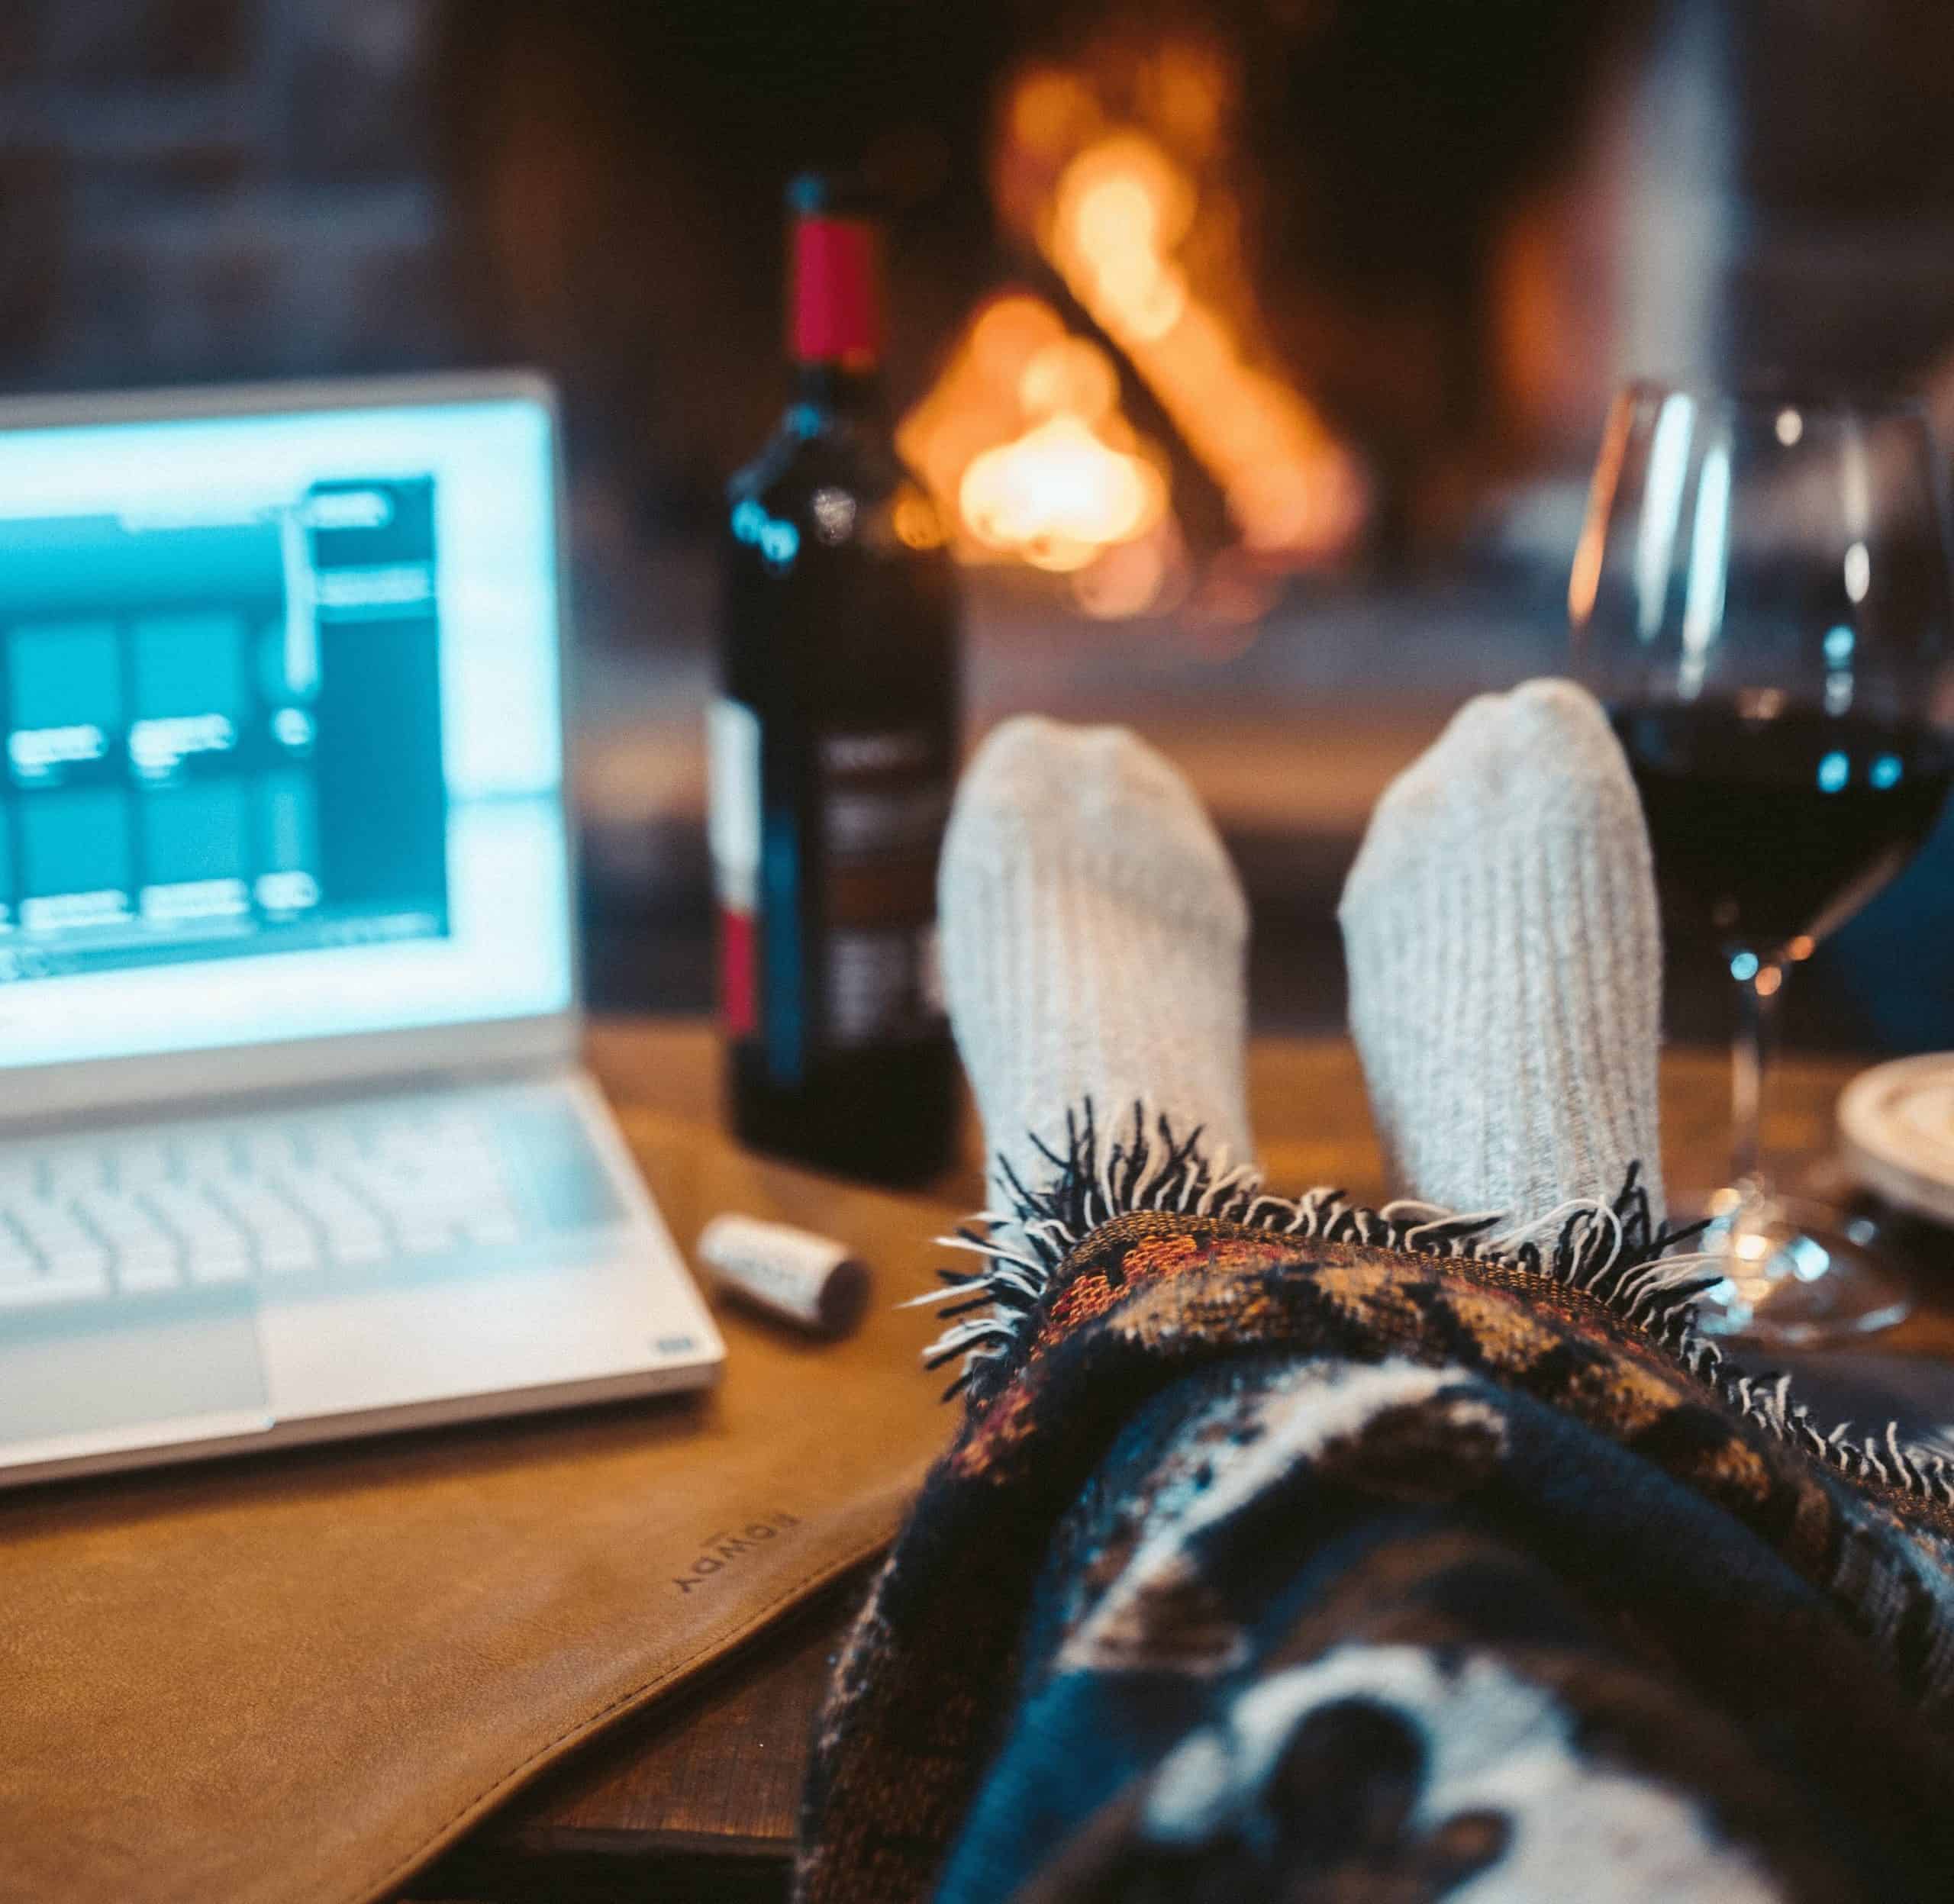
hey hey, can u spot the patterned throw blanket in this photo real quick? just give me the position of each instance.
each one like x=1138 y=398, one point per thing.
x=1297 y=1551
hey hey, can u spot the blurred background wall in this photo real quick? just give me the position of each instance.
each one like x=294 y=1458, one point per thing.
x=1315 y=304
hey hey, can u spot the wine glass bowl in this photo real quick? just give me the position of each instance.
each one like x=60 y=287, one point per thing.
x=1761 y=599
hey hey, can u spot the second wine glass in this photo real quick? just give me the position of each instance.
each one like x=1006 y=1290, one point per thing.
x=1760 y=598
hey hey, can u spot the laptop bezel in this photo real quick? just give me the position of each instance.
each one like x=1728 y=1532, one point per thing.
x=43 y=1092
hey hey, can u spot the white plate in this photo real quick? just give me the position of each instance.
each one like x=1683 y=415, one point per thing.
x=1896 y=1133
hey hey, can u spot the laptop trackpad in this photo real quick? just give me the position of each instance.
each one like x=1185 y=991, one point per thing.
x=130 y=1373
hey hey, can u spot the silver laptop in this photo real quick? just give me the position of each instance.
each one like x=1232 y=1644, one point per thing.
x=293 y=1142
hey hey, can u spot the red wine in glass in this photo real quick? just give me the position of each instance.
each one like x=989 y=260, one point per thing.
x=1768 y=830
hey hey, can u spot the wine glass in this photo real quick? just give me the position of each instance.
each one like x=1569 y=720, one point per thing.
x=1761 y=599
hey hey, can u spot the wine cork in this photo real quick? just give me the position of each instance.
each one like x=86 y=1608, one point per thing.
x=808 y=1280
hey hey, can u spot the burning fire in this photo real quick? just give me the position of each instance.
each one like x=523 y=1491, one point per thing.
x=1023 y=437
x=1121 y=208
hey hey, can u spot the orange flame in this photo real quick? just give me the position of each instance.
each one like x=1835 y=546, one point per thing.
x=1022 y=438
x=1121 y=208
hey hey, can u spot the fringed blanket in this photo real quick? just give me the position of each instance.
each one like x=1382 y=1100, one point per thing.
x=1291 y=1551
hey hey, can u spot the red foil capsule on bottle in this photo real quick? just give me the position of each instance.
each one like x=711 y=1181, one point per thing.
x=837 y=294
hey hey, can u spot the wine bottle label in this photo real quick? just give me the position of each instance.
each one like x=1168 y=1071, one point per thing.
x=873 y=825
x=732 y=834
x=884 y=796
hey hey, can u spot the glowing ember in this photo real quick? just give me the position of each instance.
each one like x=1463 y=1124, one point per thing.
x=1048 y=110
x=1121 y=206
x=918 y=525
x=1072 y=376
x=1057 y=496
x=1009 y=332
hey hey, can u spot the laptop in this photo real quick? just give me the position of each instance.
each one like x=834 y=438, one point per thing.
x=294 y=1142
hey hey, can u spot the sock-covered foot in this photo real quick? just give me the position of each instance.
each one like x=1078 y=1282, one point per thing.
x=1505 y=966
x=1093 y=939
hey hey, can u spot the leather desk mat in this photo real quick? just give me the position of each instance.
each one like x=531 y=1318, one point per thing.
x=298 y=1677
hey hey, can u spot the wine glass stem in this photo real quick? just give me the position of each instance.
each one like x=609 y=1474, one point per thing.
x=1757 y=993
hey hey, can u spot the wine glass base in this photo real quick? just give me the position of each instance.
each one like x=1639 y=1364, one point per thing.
x=1799 y=1275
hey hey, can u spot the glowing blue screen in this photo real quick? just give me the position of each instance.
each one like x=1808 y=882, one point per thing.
x=280 y=724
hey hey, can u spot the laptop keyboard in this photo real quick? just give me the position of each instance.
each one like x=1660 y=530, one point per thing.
x=351 y=1189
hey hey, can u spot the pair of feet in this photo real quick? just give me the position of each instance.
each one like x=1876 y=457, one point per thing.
x=1499 y=925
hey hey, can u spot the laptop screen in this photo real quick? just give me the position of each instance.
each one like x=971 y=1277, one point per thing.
x=283 y=743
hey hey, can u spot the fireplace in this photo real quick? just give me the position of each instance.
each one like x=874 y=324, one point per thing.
x=1232 y=336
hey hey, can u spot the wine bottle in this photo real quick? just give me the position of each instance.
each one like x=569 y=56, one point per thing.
x=832 y=747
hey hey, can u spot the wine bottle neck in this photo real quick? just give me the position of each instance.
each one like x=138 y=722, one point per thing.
x=852 y=391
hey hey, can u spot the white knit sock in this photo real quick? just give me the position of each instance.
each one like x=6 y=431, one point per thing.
x=1093 y=940
x=1505 y=965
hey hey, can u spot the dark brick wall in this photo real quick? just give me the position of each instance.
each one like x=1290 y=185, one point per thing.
x=198 y=189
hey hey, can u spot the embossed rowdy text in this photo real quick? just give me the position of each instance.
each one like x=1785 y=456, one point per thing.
x=719 y=1551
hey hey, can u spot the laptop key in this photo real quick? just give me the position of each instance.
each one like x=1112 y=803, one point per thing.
x=227 y=1265
x=43 y=1290
x=83 y=1263
x=139 y=1272
x=28 y=1282
x=287 y=1252
x=494 y=1230
x=357 y=1248
x=423 y=1238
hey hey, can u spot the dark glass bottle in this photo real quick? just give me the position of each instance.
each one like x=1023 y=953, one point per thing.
x=832 y=748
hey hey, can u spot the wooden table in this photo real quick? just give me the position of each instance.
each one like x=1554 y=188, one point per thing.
x=695 y=1799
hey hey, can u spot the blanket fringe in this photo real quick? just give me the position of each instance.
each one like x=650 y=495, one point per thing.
x=1613 y=1251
